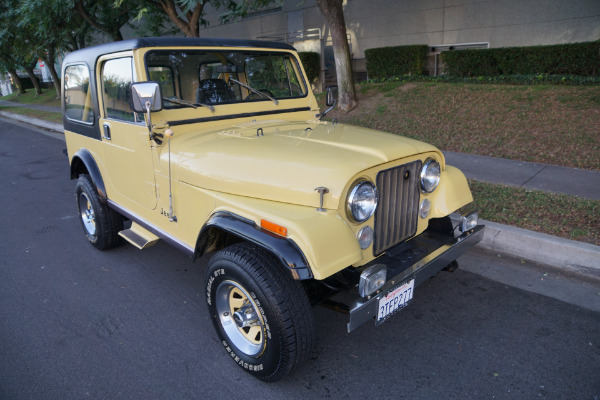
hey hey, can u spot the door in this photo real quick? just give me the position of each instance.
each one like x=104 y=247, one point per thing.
x=127 y=149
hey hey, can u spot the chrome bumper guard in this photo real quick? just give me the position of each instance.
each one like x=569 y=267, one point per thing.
x=420 y=258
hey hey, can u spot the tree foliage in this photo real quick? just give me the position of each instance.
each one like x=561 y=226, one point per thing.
x=17 y=49
x=44 y=29
x=188 y=15
x=50 y=31
x=106 y=15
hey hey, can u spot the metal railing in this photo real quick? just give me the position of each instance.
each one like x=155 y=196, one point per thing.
x=295 y=36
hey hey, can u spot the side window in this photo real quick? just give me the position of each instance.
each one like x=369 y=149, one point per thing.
x=164 y=77
x=117 y=76
x=78 y=95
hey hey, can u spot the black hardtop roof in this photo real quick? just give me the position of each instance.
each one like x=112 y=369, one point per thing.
x=90 y=54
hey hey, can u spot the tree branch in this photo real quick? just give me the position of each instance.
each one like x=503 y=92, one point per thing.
x=81 y=10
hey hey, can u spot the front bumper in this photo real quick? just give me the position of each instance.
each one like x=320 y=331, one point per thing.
x=420 y=258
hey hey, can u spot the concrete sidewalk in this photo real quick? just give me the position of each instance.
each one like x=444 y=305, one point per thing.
x=6 y=103
x=535 y=176
x=570 y=255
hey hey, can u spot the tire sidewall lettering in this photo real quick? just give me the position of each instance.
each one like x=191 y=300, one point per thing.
x=253 y=365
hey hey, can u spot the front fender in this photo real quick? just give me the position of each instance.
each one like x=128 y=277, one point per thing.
x=451 y=194
x=284 y=249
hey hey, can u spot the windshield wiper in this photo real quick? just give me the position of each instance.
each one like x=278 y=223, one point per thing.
x=258 y=92
x=188 y=103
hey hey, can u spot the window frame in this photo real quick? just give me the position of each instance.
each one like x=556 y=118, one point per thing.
x=102 y=61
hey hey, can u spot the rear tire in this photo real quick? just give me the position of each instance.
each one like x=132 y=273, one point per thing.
x=100 y=223
x=261 y=314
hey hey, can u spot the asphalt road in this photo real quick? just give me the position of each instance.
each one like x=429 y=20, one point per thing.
x=77 y=323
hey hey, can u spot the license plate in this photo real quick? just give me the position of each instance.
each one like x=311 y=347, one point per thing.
x=396 y=299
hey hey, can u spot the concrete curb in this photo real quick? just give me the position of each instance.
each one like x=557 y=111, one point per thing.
x=52 y=126
x=541 y=248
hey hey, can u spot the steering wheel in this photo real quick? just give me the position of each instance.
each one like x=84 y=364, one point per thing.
x=265 y=91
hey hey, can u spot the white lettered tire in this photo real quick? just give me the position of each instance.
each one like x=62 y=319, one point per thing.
x=261 y=314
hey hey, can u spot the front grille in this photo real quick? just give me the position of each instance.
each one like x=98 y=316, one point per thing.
x=398 y=206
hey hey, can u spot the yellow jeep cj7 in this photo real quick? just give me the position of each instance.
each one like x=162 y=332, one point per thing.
x=219 y=146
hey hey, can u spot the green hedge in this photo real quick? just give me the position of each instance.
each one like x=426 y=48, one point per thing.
x=384 y=62
x=312 y=64
x=537 y=79
x=564 y=59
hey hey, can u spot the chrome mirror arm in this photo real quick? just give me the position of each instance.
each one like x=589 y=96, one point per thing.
x=321 y=115
x=148 y=116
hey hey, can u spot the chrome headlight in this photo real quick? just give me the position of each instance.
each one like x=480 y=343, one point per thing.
x=362 y=201
x=430 y=175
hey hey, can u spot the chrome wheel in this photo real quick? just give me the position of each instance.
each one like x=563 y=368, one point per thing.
x=240 y=319
x=88 y=217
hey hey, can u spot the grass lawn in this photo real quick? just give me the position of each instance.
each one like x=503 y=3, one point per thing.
x=569 y=217
x=47 y=98
x=549 y=124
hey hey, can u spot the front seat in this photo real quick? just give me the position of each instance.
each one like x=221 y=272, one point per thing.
x=214 y=91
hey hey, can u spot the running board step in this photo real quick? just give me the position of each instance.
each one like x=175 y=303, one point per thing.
x=139 y=237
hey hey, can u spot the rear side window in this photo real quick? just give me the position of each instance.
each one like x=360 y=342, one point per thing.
x=117 y=76
x=78 y=95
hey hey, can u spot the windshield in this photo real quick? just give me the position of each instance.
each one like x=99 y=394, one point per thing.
x=214 y=77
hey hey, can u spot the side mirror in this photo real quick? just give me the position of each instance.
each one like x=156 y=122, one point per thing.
x=330 y=101
x=145 y=98
x=332 y=96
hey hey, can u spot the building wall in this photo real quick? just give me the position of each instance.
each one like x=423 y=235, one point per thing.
x=378 y=23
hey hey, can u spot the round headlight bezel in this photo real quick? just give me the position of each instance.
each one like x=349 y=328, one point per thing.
x=351 y=199
x=427 y=184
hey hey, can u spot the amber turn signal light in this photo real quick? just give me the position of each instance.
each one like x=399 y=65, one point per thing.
x=273 y=227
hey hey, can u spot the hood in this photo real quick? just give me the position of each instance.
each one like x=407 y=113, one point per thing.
x=285 y=162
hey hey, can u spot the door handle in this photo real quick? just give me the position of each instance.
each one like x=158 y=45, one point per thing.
x=107 y=131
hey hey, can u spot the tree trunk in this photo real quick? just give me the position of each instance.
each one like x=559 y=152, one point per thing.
x=116 y=35
x=334 y=14
x=34 y=80
x=191 y=27
x=16 y=80
x=49 y=60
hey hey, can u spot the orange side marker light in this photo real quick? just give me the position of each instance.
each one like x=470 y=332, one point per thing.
x=273 y=227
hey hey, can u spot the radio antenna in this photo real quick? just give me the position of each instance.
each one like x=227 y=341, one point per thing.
x=169 y=135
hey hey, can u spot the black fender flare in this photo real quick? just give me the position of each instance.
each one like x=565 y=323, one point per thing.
x=85 y=158
x=286 y=250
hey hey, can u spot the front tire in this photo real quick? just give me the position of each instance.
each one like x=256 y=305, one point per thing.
x=100 y=223
x=261 y=314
